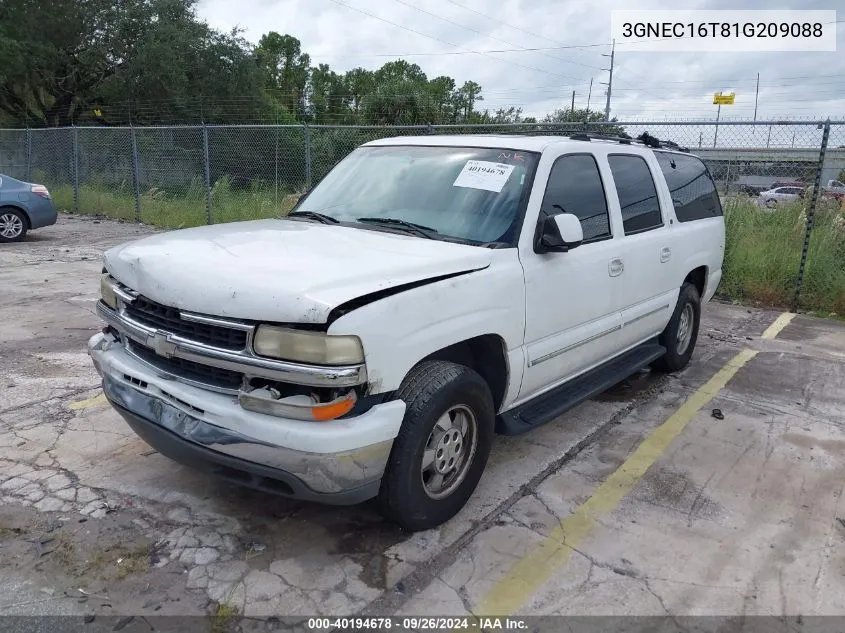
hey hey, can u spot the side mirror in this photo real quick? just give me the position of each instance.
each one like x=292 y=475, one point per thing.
x=560 y=233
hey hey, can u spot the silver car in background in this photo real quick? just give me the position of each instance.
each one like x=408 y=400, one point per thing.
x=23 y=206
x=779 y=195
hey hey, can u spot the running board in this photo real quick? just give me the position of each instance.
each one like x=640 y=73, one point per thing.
x=546 y=407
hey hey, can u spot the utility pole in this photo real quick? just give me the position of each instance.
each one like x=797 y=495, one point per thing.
x=572 y=107
x=589 y=94
x=609 y=81
x=756 y=94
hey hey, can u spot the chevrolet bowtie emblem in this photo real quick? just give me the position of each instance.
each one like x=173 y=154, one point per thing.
x=161 y=344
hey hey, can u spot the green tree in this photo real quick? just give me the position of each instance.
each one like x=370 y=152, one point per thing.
x=286 y=69
x=442 y=94
x=152 y=58
x=329 y=96
x=465 y=99
x=583 y=119
x=359 y=83
x=54 y=54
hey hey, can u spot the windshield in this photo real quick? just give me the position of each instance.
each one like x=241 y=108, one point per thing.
x=465 y=193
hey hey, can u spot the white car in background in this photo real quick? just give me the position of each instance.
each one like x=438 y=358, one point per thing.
x=779 y=195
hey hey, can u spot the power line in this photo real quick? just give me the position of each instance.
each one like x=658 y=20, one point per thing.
x=439 y=17
x=512 y=26
x=562 y=45
x=437 y=39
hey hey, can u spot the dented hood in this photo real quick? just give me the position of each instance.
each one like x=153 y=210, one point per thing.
x=280 y=270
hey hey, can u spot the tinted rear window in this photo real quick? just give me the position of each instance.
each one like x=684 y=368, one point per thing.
x=637 y=194
x=694 y=195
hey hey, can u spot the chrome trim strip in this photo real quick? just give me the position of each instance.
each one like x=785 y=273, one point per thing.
x=120 y=292
x=127 y=294
x=171 y=376
x=647 y=314
x=282 y=371
x=572 y=346
x=207 y=320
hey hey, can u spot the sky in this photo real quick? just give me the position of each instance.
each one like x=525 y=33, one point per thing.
x=436 y=34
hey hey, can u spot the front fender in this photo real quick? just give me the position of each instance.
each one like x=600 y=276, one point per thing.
x=400 y=330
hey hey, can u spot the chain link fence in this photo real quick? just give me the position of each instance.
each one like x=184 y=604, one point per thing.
x=785 y=224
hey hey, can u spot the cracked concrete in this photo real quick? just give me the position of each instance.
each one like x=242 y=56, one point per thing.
x=738 y=517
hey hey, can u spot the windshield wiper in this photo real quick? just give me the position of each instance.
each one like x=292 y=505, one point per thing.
x=320 y=217
x=417 y=229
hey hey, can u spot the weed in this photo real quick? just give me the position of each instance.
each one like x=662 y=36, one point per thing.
x=222 y=617
x=64 y=552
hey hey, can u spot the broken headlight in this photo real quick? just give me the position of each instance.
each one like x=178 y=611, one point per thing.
x=107 y=292
x=307 y=347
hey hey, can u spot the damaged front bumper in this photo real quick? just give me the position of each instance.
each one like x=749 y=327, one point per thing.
x=338 y=462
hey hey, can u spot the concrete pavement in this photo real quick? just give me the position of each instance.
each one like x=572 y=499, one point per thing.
x=637 y=502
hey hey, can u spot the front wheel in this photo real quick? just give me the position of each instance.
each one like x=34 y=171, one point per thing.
x=771 y=203
x=681 y=333
x=442 y=448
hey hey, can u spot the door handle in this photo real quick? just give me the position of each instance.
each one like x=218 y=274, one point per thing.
x=615 y=267
x=665 y=254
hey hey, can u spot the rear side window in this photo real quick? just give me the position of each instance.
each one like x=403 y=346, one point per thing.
x=694 y=195
x=636 y=191
x=575 y=187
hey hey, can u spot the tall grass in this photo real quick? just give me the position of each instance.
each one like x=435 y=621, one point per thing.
x=763 y=254
x=180 y=208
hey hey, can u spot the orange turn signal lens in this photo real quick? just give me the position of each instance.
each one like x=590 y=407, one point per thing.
x=334 y=409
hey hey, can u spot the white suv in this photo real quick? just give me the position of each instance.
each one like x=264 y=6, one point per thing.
x=428 y=293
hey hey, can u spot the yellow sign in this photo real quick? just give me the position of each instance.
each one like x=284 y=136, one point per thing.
x=720 y=99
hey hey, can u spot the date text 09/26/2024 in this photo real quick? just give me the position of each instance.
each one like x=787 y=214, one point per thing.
x=417 y=624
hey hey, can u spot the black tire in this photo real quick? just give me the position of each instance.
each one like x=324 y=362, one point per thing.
x=22 y=224
x=677 y=356
x=430 y=390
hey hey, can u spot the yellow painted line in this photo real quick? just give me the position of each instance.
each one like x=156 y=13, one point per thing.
x=90 y=402
x=781 y=322
x=534 y=569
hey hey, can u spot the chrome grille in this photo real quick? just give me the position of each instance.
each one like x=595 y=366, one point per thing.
x=189 y=370
x=169 y=319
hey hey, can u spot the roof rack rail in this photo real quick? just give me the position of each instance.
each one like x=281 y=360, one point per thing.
x=652 y=141
x=624 y=139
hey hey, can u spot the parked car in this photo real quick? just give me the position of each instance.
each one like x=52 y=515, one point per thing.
x=779 y=195
x=23 y=206
x=834 y=189
x=429 y=292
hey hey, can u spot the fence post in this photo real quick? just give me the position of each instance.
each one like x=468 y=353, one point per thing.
x=136 y=183
x=207 y=173
x=276 y=170
x=307 y=157
x=28 y=154
x=75 y=174
x=811 y=212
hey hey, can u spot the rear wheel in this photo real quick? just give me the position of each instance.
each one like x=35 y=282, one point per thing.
x=681 y=333
x=13 y=225
x=442 y=448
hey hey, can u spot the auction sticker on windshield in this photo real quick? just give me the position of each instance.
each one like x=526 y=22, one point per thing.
x=482 y=174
